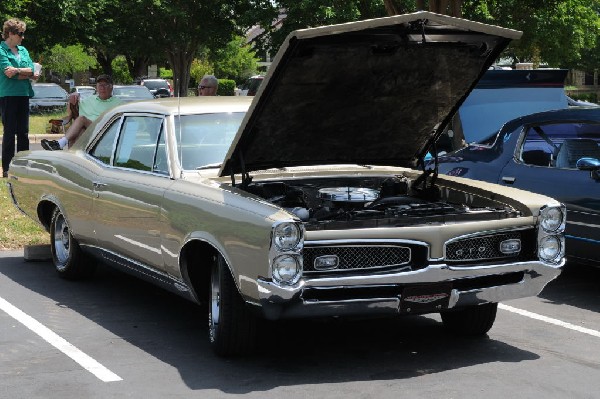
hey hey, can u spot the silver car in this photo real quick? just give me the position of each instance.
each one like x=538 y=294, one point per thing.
x=308 y=200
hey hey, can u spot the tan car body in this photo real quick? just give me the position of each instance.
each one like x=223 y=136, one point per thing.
x=234 y=234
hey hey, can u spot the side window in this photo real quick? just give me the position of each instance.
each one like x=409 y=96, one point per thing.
x=560 y=145
x=103 y=149
x=138 y=142
x=161 y=165
x=538 y=148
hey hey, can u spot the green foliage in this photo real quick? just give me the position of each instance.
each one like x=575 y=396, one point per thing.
x=120 y=71
x=226 y=87
x=68 y=60
x=557 y=32
x=198 y=69
x=590 y=96
x=164 y=73
x=561 y=33
x=236 y=61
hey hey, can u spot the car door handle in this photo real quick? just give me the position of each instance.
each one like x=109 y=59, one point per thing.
x=508 y=179
x=98 y=185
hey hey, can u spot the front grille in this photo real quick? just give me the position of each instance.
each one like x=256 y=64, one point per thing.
x=481 y=247
x=359 y=257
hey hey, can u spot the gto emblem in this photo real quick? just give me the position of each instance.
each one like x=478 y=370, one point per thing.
x=428 y=298
x=470 y=252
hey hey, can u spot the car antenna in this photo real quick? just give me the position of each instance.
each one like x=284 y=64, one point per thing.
x=179 y=125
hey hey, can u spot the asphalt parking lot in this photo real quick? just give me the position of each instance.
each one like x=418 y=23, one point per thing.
x=114 y=337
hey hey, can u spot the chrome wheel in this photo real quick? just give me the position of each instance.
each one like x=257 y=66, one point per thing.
x=215 y=301
x=232 y=327
x=61 y=242
x=69 y=260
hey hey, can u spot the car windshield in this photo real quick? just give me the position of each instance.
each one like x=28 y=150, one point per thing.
x=478 y=123
x=156 y=84
x=132 y=92
x=204 y=139
x=49 y=92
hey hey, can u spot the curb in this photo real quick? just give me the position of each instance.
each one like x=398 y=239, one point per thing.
x=37 y=253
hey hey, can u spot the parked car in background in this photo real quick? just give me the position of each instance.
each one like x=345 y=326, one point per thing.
x=319 y=213
x=128 y=93
x=250 y=87
x=555 y=153
x=84 y=91
x=502 y=95
x=48 y=97
x=158 y=87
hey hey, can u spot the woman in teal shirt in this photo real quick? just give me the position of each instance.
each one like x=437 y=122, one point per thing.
x=15 y=90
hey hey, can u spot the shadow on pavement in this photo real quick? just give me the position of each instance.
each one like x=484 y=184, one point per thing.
x=578 y=285
x=290 y=353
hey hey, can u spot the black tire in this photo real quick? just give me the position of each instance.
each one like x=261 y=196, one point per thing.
x=69 y=260
x=231 y=325
x=472 y=320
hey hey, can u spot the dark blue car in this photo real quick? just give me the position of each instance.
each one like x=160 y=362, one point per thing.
x=555 y=153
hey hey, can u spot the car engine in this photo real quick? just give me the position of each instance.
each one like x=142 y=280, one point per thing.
x=385 y=201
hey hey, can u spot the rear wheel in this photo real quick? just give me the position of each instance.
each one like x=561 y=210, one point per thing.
x=472 y=320
x=232 y=327
x=69 y=260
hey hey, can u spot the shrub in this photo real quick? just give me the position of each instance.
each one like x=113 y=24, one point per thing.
x=226 y=87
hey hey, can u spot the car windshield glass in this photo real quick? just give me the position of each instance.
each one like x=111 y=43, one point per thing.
x=132 y=92
x=204 y=139
x=156 y=84
x=49 y=92
x=479 y=123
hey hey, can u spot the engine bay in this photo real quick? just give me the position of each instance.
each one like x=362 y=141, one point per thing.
x=381 y=201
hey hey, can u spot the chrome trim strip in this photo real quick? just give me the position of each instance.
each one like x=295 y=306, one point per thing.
x=488 y=232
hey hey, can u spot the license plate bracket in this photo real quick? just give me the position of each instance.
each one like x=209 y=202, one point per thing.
x=425 y=298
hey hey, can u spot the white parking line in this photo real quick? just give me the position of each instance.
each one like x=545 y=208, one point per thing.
x=550 y=320
x=59 y=343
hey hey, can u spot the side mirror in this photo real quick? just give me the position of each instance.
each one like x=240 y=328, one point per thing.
x=587 y=163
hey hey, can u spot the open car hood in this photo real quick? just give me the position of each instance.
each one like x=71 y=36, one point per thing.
x=371 y=92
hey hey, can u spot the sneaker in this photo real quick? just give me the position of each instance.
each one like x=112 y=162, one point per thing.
x=50 y=145
x=4 y=173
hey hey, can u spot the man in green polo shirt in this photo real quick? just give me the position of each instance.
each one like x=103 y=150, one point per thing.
x=90 y=108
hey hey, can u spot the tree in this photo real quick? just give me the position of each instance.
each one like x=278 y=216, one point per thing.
x=68 y=60
x=555 y=31
x=563 y=33
x=236 y=60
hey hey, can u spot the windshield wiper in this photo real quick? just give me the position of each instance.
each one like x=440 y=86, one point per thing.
x=209 y=166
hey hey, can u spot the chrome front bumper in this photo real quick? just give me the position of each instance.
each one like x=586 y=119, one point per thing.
x=384 y=290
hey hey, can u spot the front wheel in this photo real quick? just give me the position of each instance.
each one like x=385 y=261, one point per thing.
x=472 y=320
x=69 y=260
x=232 y=327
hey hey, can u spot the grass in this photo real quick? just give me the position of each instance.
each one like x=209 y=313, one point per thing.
x=16 y=229
x=38 y=123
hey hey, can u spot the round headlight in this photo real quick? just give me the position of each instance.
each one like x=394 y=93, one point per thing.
x=286 y=269
x=286 y=236
x=552 y=218
x=550 y=248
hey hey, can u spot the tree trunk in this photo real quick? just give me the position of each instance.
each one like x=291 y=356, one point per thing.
x=105 y=61
x=137 y=66
x=181 y=62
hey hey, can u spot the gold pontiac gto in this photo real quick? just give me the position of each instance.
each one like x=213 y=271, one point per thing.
x=310 y=199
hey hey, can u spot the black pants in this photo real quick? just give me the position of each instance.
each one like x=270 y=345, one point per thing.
x=15 y=119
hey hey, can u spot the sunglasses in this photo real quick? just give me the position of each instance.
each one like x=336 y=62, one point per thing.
x=20 y=34
x=205 y=87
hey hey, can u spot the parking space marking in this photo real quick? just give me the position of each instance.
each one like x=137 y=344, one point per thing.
x=59 y=343
x=550 y=320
